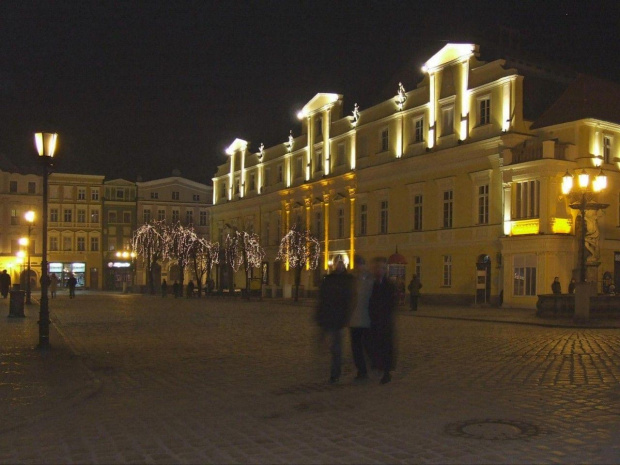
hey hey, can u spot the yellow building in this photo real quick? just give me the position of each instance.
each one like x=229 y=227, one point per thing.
x=452 y=174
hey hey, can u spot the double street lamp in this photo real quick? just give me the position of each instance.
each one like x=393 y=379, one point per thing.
x=583 y=198
x=46 y=146
x=29 y=216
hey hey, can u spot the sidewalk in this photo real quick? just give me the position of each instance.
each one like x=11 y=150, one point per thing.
x=522 y=316
x=29 y=378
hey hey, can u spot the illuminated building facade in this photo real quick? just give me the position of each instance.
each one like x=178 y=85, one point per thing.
x=457 y=174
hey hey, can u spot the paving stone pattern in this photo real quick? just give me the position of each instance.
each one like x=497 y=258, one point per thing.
x=206 y=381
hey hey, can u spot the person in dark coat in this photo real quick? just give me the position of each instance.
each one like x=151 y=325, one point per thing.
x=5 y=283
x=71 y=283
x=175 y=289
x=381 y=306
x=571 y=286
x=190 y=289
x=556 y=287
x=164 y=288
x=333 y=312
x=414 y=292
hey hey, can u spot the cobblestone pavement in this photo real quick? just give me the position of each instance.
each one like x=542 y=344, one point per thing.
x=215 y=381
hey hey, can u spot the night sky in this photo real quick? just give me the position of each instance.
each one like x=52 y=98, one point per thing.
x=142 y=88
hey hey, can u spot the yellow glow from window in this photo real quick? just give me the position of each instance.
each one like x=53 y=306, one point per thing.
x=561 y=225
x=523 y=227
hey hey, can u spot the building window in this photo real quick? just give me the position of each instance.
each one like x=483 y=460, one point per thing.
x=417 y=212
x=252 y=182
x=68 y=215
x=81 y=216
x=14 y=217
x=361 y=147
x=146 y=215
x=418 y=130
x=81 y=193
x=318 y=221
x=54 y=215
x=447 y=271
x=112 y=217
x=94 y=216
x=484 y=111
x=363 y=219
x=526 y=204
x=448 y=205
x=127 y=217
x=385 y=140
x=483 y=204
x=524 y=275
x=340 y=223
x=280 y=173
x=94 y=194
x=447 y=121
x=66 y=243
x=340 y=154
x=189 y=217
x=161 y=215
x=120 y=194
x=13 y=186
x=32 y=187
x=203 y=218
x=53 y=244
x=111 y=243
x=318 y=165
x=417 y=267
x=298 y=167
x=383 y=217
x=223 y=190
x=175 y=195
x=154 y=195
x=196 y=197
x=94 y=244
x=81 y=244
x=607 y=149
x=237 y=185
x=176 y=216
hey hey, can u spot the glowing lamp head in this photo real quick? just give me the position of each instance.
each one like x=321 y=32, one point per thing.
x=29 y=215
x=23 y=241
x=567 y=183
x=46 y=143
x=600 y=182
x=584 y=179
x=119 y=254
x=301 y=115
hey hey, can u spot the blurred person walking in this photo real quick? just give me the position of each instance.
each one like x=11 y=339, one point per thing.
x=359 y=323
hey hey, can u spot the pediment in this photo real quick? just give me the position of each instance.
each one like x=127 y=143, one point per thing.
x=319 y=101
x=450 y=53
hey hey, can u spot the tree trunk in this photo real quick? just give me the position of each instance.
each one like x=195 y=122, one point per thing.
x=297 y=281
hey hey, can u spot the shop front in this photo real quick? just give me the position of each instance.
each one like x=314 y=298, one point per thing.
x=64 y=270
x=119 y=275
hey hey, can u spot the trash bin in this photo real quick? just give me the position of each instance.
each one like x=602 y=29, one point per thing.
x=16 y=304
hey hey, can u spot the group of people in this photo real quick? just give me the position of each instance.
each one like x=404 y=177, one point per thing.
x=556 y=287
x=365 y=302
x=177 y=289
x=51 y=280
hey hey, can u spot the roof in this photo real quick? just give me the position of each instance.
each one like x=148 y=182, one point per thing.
x=586 y=97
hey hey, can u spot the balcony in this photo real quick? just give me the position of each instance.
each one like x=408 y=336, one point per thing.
x=537 y=150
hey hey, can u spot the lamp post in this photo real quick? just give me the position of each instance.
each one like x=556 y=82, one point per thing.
x=583 y=200
x=29 y=216
x=46 y=145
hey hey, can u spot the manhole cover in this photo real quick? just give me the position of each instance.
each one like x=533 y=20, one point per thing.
x=492 y=429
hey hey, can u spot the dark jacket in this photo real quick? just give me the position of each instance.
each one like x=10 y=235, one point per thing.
x=336 y=301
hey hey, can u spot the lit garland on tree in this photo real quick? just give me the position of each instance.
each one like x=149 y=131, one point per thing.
x=241 y=247
x=300 y=249
x=148 y=242
x=204 y=255
x=178 y=243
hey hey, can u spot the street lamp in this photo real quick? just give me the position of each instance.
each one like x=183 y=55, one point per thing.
x=46 y=145
x=583 y=199
x=29 y=216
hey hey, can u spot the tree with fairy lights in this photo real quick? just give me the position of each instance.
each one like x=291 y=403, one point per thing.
x=300 y=249
x=204 y=255
x=178 y=242
x=243 y=248
x=148 y=243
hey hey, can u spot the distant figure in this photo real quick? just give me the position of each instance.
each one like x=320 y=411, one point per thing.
x=190 y=289
x=414 y=292
x=556 y=287
x=175 y=289
x=5 y=283
x=612 y=289
x=53 y=285
x=210 y=285
x=382 y=306
x=71 y=283
x=333 y=311
x=359 y=324
x=571 y=286
x=164 y=288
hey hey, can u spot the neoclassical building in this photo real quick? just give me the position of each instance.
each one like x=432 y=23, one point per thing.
x=462 y=175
